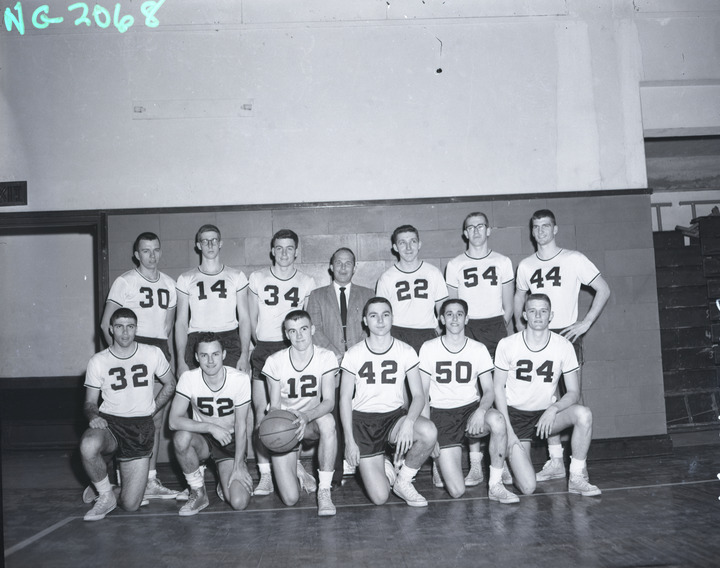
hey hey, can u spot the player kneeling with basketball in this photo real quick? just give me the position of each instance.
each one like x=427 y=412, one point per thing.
x=301 y=380
x=220 y=398
x=371 y=409
x=528 y=366
x=452 y=367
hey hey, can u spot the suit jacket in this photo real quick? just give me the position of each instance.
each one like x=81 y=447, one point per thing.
x=324 y=310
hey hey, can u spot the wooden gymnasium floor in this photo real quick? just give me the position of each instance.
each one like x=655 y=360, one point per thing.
x=661 y=511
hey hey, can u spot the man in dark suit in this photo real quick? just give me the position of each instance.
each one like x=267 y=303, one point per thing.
x=336 y=312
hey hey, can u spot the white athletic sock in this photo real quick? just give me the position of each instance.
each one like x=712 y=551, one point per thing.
x=152 y=474
x=555 y=451
x=577 y=466
x=103 y=486
x=325 y=479
x=476 y=458
x=195 y=479
x=407 y=473
x=495 y=475
x=264 y=468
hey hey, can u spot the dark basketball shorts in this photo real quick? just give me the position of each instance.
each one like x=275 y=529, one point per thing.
x=262 y=351
x=488 y=331
x=451 y=423
x=523 y=422
x=219 y=452
x=134 y=436
x=230 y=341
x=372 y=429
x=157 y=342
x=413 y=337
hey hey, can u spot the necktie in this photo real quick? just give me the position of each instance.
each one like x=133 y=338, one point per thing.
x=343 y=309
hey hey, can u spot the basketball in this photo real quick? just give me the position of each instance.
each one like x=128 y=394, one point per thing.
x=277 y=431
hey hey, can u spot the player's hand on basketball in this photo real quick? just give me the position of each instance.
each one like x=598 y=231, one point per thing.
x=404 y=440
x=545 y=423
x=222 y=435
x=99 y=423
x=301 y=421
x=574 y=331
x=242 y=476
x=352 y=454
x=476 y=423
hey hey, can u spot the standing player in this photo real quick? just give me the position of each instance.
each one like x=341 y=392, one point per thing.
x=301 y=379
x=452 y=367
x=414 y=288
x=528 y=366
x=151 y=295
x=371 y=408
x=336 y=311
x=123 y=424
x=220 y=398
x=485 y=280
x=559 y=273
x=212 y=297
x=275 y=291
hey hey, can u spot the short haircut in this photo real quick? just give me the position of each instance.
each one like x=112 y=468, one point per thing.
x=208 y=337
x=475 y=214
x=404 y=229
x=206 y=229
x=543 y=297
x=284 y=234
x=376 y=300
x=542 y=213
x=338 y=251
x=146 y=236
x=451 y=301
x=296 y=315
x=122 y=313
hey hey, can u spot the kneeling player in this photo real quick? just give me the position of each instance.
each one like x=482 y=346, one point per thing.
x=123 y=424
x=220 y=398
x=528 y=366
x=371 y=409
x=301 y=379
x=451 y=367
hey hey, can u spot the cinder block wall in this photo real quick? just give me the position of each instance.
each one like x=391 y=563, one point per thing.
x=622 y=376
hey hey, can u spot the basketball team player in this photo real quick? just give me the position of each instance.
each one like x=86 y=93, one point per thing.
x=122 y=426
x=485 y=279
x=455 y=370
x=374 y=372
x=274 y=291
x=301 y=379
x=415 y=289
x=219 y=396
x=559 y=273
x=528 y=366
x=212 y=297
x=151 y=295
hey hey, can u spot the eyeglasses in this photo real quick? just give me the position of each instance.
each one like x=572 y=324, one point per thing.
x=475 y=228
x=206 y=242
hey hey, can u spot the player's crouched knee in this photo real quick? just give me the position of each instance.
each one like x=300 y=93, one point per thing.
x=90 y=443
x=425 y=432
x=181 y=440
x=495 y=421
x=583 y=417
x=239 y=499
x=326 y=426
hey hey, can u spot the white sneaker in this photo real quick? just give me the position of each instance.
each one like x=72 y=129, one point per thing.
x=475 y=475
x=265 y=485
x=307 y=481
x=183 y=495
x=506 y=475
x=554 y=468
x=581 y=486
x=156 y=490
x=436 y=478
x=197 y=501
x=498 y=492
x=390 y=472
x=407 y=492
x=104 y=504
x=325 y=504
